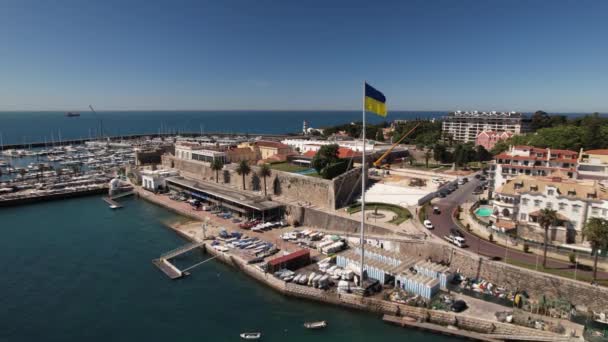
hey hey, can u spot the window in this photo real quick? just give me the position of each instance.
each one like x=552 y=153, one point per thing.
x=549 y=205
x=595 y=211
x=537 y=203
x=523 y=216
x=605 y=212
x=563 y=206
x=576 y=208
x=551 y=192
x=525 y=201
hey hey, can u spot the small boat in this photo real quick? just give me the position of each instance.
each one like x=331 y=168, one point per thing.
x=72 y=114
x=315 y=325
x=114 y=206
x=251 y=336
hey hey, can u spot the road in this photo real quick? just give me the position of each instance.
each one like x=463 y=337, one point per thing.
x=444 y=222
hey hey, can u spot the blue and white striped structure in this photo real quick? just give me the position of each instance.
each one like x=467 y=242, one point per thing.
x=418 y=284
x=433 y=270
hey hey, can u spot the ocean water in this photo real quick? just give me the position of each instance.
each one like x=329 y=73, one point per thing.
x=74 y=270
x=24 y=127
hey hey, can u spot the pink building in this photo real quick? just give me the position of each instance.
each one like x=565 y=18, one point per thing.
x=488 y=139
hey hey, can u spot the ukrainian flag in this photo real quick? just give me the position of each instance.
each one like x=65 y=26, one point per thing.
x=375 y=101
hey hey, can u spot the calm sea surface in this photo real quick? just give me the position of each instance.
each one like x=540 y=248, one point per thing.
x=20 y=127
x=76 y=271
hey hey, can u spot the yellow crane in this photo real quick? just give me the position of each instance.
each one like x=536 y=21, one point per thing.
x=378 y=163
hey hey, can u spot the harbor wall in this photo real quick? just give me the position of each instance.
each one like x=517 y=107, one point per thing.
x=511 y=277
x=305 y=190
x=52 y=197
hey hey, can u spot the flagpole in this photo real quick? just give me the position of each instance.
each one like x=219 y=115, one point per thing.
x=363 y=176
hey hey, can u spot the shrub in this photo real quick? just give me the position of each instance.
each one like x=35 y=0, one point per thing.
x=526 y=248
x=468 y=226
x=491 y=237
x=572 y=257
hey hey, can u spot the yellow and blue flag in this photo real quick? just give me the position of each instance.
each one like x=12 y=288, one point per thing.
x=375 y=101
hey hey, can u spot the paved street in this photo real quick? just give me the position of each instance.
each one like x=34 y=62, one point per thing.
x=443 y=223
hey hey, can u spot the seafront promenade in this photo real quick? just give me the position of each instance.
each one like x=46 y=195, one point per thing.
x=423 y=318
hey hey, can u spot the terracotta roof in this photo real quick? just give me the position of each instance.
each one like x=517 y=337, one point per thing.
x=310 y=154
x=344 y=152
x=602 y=152
x=506 y=225
x=273 y=144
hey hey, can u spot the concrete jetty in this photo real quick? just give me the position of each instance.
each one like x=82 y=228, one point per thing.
x=167 y=267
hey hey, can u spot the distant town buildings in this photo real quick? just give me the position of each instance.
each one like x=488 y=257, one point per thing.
x=488 y=139
x=465 y=126
x=518 y=203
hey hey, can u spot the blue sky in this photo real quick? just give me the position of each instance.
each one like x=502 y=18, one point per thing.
x=424 y=55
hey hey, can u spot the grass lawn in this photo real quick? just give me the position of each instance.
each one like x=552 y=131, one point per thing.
x=402 y=213
x=287 y=167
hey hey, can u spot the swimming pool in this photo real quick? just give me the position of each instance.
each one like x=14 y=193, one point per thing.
x=306 y=172
x=483 y=212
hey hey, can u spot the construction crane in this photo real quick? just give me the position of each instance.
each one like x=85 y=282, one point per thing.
x=378 y=163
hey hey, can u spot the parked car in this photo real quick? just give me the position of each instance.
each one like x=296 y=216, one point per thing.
x=459 y=306
x=436 y=210
x=427 y=224
x=477 y=176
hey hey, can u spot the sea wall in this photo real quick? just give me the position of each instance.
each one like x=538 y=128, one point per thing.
x=511 y=277
x=323 y=193
x=53 y=197
x=318 y=219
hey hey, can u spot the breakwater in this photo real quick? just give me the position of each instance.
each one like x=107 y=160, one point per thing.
x=19 y=200
x=36 y=144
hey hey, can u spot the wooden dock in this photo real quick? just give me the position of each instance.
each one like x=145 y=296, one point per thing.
x=438 y=329
x=171 y=270
x=113 y=204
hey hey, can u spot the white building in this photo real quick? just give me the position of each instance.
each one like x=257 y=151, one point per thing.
x=154 y=180
x=593 y=164
x=520 y=201
x=305 y=145
x=465 y=126
x=191 y=151
x=531 y=161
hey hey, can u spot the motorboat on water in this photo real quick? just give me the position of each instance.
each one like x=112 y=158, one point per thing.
x=315 y=325
x=251 y=336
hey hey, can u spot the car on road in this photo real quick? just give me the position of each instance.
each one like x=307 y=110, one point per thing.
x=427 y=224
x=460 y=181
x=456 y=240
x=477 y=176
x=478 y=190
x=436 y=210
x=456 y=232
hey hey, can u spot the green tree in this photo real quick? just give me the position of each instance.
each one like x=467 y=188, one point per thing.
x=264 y=172
x=481 y=154
x=326 y=155
x=427 y=156
x=540 y=119
x=243 y=170
x=379 y=135
x=596 y=232
x=217 y=165
x=546 y=219
x=500 y=147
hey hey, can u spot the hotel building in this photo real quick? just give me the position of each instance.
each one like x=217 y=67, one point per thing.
x=465 y=126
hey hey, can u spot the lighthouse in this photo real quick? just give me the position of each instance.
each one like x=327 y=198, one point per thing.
x=305 y=128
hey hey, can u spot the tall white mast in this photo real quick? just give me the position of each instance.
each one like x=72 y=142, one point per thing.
x=363 y=176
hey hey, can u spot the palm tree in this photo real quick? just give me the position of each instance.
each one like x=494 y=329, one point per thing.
x=427 y=156
x=596 y=232
x=546 y=219
x=217 y=166
x=243 y=169
x=264 y=172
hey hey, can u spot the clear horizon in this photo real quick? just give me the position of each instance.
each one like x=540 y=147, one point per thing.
x=140 y=55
